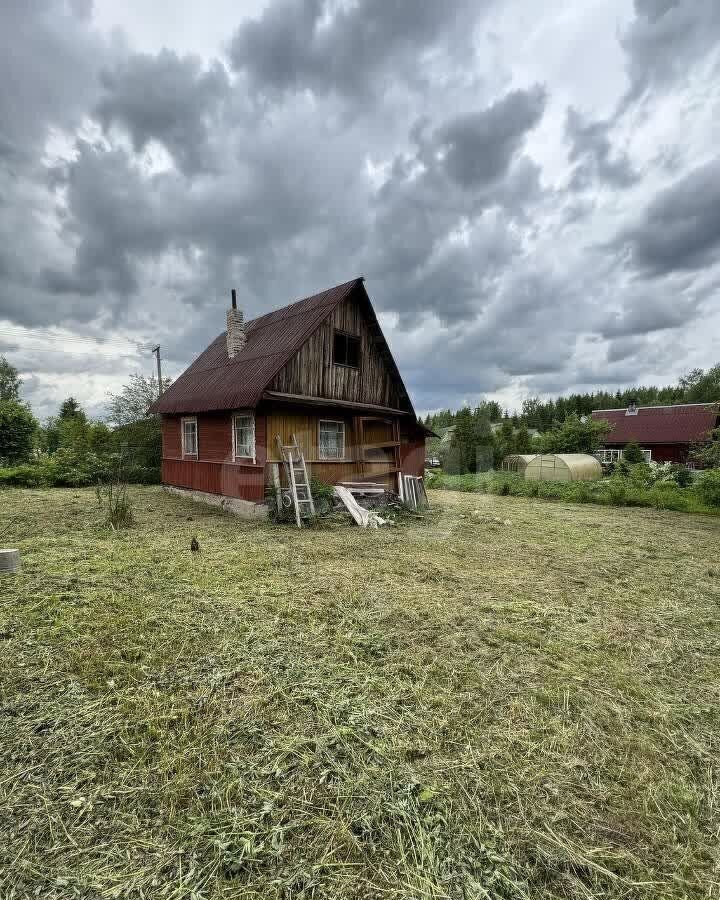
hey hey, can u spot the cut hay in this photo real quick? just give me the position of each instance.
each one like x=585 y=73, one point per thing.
x=456 y=710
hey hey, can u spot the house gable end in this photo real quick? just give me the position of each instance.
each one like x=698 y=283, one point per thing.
x=313 y=372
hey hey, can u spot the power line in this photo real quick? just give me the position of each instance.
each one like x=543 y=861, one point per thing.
x=43 y=335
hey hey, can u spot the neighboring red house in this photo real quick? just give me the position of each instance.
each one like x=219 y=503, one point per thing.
x=320 y=369
x=665 y=433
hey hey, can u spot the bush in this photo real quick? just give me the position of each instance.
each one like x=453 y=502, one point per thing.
x=633 y=454
x=708 y=487
x=27 y=475
x=681 y=475
x=17 y=432
x=114 y=495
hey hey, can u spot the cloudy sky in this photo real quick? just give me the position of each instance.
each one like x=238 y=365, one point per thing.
x=533 y=198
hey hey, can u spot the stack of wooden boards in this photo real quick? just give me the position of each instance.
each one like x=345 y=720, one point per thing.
x=412 y=491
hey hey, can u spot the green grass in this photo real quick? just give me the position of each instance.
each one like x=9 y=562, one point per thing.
x=503 y=699
x=616 y=491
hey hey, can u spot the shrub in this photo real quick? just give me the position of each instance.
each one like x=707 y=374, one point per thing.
x=581 y=492
x=17 y=432
x=681 y=475
x=323 y=495
x=708 y=487
x=27 y=475
x=633 y=454
x=617 y=491
x=114 y=495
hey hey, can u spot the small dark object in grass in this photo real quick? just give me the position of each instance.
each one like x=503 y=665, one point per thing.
x=194 y=545
x=712 y=573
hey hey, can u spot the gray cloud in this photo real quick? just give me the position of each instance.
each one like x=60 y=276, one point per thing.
x=593 y=155
x=647 y=311
x=49 y=63
x=478 y=148
x=171 y=99
x=666 y=39
x=680 y=228
x=392 y=139
x=324 y=47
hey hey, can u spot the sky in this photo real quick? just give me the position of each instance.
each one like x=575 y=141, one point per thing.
x=532 y=192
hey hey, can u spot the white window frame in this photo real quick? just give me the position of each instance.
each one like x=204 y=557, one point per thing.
x=615 y=454
x=341 y=456
x=251 y=455
x=185 y=452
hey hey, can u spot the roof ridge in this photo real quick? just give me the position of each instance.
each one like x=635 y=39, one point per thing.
x=660 y=406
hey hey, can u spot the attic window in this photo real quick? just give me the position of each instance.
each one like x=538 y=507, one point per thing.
x=346 y=350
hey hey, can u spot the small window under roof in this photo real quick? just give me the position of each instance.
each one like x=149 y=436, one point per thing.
x=346 y=350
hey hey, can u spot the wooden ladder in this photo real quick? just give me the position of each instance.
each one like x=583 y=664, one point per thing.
x=297 y=478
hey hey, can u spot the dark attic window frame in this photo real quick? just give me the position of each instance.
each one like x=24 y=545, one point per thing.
x=347 y=358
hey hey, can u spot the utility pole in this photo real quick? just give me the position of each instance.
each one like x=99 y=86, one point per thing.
x=156 y=351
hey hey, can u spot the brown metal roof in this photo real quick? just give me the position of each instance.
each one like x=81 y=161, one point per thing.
x=680 y=424
x=215 y=382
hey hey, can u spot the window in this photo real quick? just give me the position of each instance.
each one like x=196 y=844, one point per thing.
x=332 y=440
x=243 y=437
x=346 y=350
x=608 y=456
x=189 y=437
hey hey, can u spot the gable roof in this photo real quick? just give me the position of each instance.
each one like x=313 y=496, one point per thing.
x=680 y=424
x=216 y=382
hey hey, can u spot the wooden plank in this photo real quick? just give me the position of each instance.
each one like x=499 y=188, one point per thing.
x=329 y=403
x=275 y=470
x=381 y=445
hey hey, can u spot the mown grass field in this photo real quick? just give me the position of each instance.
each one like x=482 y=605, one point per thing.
x=508 y=698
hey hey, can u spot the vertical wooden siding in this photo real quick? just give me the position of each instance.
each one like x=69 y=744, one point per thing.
x=214 y=471
x=307 y=430
x=311 y=371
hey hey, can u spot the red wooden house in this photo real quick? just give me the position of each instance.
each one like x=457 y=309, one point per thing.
x=319 y=369
x=665 y=433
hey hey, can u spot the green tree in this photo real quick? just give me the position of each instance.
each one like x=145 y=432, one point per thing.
x=708 y=454
x=505 y=439
x=17 y=432
x=523 y=441
x=134 y=400
x=573 y=436
x=9 y=381
x=71 y=409
x=472 y=448
x=633 y=454
x=701 y=387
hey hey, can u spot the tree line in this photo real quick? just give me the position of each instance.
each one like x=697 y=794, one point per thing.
x=482 y=437
x=698 y=386
x=70 y=448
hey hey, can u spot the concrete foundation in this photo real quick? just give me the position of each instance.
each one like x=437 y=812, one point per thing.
x=244 y=509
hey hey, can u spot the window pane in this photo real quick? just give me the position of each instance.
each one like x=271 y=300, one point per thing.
x=332 y=440
x=244 y=436
x=340 y=350
x=346 y=350
x=190 y=437
x=353 y=352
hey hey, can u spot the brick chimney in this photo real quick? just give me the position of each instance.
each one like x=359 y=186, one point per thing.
x=236 y=336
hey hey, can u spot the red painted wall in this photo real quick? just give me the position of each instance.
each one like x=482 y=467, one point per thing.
x=662 y=453
x=214 y=471
x=412 y=451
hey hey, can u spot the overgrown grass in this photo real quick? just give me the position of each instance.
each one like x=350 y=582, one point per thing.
x=504 y=699
x=615 y=491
